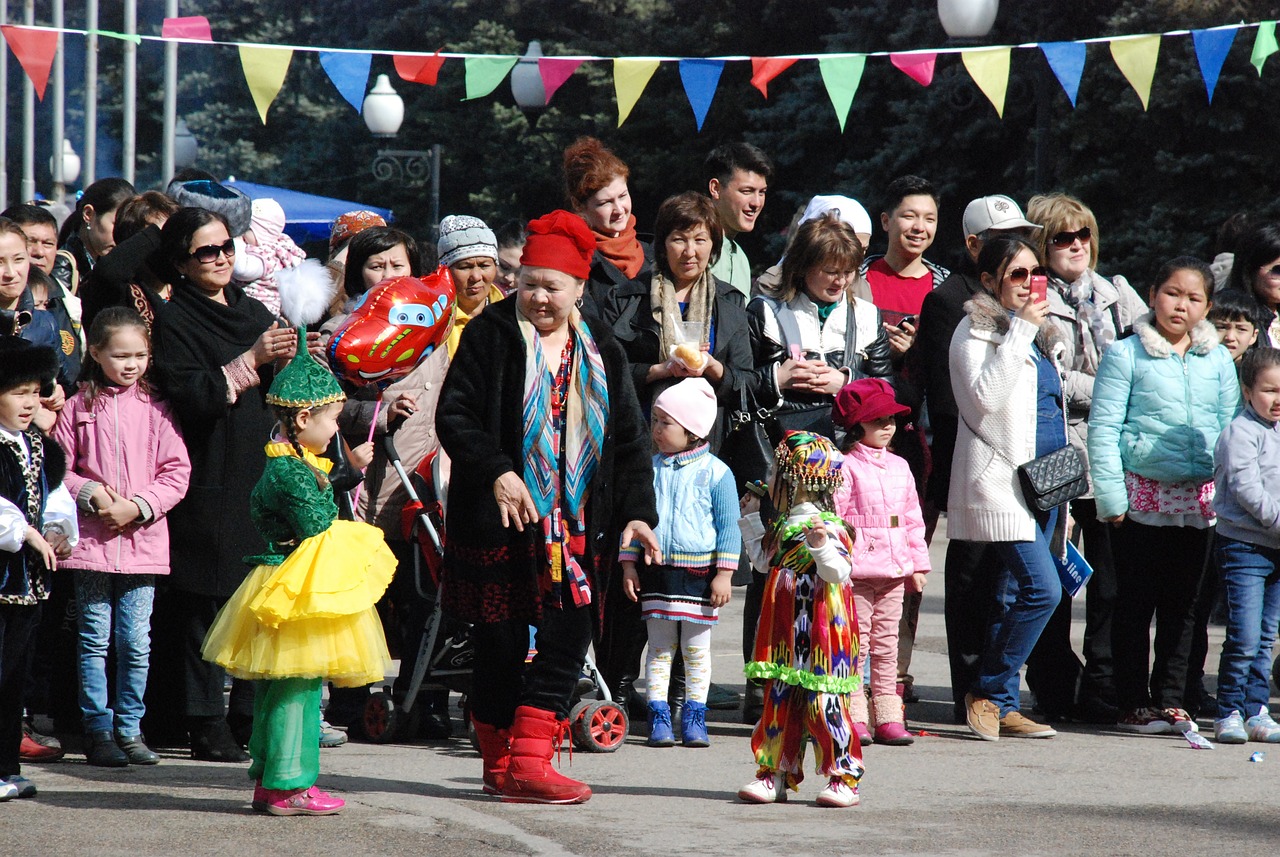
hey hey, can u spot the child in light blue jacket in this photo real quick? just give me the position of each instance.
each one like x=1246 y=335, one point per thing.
x=701 y=542
x=1161 y=398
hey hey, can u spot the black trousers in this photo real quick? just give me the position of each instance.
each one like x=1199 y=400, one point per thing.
x=622 y=636
x=501 y=680
x=1158 y=572
x=969 y=604
x=1097 y=681
x=17 y=631
x=53 y=683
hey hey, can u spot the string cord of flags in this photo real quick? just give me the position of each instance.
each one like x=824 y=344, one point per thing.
x=266 y=66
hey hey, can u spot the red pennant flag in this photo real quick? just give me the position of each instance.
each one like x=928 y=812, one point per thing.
x=195 y=27
x=34 y=50
x=555 y=72
x=419 y=69
x=765 y=69
x=917 y=66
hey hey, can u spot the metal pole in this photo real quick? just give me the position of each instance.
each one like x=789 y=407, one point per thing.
x=170 y=98
x=28 y=120
x=4 y=113
x=128 y=130
x=91 y=93
x=59 y=192
x=435 y=191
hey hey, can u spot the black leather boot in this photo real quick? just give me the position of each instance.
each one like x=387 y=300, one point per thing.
x=753 y=701
x=212 y=741
x=676 y=690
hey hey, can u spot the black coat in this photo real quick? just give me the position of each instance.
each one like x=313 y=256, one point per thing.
x=607 y=277
x=491 y=572
x=114 y=280
x=210 y=531
x=23 y=575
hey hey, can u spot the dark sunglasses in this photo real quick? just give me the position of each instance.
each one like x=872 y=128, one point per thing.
x=209 y=252
x=1273 y=272
x=1065 y=239
x=1018 y=276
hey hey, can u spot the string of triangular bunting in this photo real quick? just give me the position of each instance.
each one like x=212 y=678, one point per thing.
x=266 y=66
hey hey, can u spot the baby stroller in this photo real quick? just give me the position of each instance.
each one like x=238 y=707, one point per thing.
x=444 y=659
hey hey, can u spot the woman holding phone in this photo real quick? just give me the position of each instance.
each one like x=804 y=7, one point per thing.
x=1090 y=313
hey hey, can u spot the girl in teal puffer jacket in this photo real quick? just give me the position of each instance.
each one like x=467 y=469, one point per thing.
x=1160 y=401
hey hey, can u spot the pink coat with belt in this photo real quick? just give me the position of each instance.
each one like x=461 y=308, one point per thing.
x=131 y=442
x=878 y=499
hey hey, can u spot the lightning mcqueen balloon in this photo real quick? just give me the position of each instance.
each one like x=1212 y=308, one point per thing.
x=392 y=328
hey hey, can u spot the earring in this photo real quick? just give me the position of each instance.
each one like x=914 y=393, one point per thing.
x=578 y=303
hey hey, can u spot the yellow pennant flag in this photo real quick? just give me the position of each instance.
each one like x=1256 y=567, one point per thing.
x=990 y=71
x=630 y=77
x=264 y=71
x=1136 y=59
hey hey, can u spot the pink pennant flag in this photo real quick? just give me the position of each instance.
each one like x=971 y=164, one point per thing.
x=35 y=50
x=555 y=72
x=917 y=66
x=195 y=28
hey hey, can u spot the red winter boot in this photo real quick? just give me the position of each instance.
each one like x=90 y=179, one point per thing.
x=495 y=750
x=530 y=777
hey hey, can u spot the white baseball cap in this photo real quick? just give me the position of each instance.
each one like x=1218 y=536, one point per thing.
x=847 y=209
x=994 y=212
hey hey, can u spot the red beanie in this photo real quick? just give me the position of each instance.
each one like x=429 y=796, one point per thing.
x=561 y=241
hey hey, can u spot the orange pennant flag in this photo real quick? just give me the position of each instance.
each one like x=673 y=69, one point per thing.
x=34 y=50
x=765 y=69
x=419 y=69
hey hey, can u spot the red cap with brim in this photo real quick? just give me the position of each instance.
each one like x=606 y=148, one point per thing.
x=865 y=400
x=561 y=241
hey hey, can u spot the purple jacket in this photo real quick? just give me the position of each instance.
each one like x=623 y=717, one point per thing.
x=131 y=442
x=878 y=499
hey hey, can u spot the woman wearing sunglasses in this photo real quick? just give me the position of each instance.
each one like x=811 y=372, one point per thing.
x=1091 y=312
x=215 y=350
x=1008 y=387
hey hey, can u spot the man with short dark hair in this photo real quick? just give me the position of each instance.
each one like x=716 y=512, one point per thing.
x=737 y=179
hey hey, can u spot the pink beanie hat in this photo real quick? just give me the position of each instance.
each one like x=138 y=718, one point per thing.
x=268 y=219
x=692 y=403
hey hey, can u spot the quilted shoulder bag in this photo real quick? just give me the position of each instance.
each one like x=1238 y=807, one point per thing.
x=1048 y=480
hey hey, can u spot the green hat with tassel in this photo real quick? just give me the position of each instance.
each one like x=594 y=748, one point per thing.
x=305 y=382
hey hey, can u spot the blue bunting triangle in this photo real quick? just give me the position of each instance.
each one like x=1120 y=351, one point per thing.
x=1067 y=61
x=349 y=73
x=700 y=79
x=1212 y=47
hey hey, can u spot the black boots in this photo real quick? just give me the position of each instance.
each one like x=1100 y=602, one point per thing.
x=212 y=741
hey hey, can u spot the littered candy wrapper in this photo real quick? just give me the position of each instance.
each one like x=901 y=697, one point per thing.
x=1197 y=741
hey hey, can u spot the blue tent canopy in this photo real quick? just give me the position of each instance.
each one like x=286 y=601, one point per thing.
x=308 y=217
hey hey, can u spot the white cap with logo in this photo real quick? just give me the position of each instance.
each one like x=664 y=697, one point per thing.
x=994 y=212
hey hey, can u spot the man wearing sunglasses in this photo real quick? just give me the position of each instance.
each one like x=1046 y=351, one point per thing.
x=970 y=572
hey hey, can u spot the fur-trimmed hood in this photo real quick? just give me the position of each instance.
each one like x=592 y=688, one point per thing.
x=1204 y=337
x=987 y=316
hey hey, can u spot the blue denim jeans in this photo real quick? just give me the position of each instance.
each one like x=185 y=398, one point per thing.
x=114 y=606
x=1251 y=587
x=1030 y=590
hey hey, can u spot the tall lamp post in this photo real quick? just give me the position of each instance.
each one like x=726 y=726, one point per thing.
x=383 y=112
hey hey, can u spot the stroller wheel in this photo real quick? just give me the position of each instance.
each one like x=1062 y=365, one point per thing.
x=381 y=718
x=601 y=727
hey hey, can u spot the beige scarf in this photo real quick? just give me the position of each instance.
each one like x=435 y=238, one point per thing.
x=666 y=309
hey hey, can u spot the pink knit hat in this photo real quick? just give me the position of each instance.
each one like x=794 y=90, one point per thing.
x=268 y=219
x=691 y=403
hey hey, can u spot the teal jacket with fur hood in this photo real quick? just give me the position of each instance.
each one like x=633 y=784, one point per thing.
x=1156 y=413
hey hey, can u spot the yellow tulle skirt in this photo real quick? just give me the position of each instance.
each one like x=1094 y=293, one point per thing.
x=313 y=615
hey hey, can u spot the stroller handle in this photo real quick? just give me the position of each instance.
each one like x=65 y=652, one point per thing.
x=389 y=446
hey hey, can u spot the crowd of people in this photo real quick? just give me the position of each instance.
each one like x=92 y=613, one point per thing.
x=191 y=500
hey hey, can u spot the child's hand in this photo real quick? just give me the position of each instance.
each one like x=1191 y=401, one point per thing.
x=43 y=548
x=917 y=582
x=721 y=588
x=815 y=532
x=361 y=455
x=120 y=513
x=630 y=581
x=100 y=499
x=749 y=504
x=60 y=542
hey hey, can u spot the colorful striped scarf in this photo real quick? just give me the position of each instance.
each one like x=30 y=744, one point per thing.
x=587 y=415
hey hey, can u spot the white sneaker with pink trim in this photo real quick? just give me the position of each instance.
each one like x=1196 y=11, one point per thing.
x=769 y=787
x=838 y=793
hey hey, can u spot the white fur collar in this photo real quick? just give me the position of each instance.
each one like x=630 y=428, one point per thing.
x=989 y=320
x=1204 y=337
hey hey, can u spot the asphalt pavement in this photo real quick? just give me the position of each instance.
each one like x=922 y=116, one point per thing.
x=1090 y=789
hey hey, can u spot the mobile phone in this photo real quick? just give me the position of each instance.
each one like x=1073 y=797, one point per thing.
x=905 y=320
x=1039 y=287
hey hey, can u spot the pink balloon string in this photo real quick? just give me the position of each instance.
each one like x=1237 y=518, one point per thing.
x=373 y=425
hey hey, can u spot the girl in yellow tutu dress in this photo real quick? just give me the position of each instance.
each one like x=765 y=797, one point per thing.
x=306 y=611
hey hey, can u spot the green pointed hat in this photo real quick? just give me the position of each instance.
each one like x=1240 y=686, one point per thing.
x=305 y=382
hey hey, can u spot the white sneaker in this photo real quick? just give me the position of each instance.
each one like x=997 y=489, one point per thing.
x=838 y=793
x=770 y=787
x=1263 y=728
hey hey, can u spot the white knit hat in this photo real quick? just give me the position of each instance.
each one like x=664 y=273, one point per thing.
x=464 y=237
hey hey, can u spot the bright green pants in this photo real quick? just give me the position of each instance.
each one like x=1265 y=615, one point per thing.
x=285 y=745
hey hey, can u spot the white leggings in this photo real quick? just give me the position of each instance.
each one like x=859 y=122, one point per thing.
x=696 y=641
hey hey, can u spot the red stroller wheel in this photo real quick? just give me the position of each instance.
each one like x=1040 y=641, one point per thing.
x=601 y=727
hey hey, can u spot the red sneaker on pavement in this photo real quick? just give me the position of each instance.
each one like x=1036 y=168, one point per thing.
x=31 y=750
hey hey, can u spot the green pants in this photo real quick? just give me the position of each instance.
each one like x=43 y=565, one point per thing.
x=285 y=745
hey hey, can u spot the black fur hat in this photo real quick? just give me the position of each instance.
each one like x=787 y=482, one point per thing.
x=21 y=363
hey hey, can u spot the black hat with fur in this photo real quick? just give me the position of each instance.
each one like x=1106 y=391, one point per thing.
x=21 y=363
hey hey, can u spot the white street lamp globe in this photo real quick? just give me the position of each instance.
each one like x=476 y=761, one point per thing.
x=185 y=146
x=526 y=80
x=70 y=163
x=968 y=19
x=383 y=108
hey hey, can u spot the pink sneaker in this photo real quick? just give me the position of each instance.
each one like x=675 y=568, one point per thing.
x=260 y=796
x=894 y=735
x=310 y=801
x=864 y=734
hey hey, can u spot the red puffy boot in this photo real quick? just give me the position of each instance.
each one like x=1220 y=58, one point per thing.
x=495 y=750
x=530 y=777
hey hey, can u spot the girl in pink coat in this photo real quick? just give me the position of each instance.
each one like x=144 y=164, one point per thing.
x=878 y=499
x=127 y=466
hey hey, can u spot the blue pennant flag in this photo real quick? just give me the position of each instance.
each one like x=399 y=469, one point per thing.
x=1067 y=61
x=700 y=79
x=1212 y=47
x=349 y=73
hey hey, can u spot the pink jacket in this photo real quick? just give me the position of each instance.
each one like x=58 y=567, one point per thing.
x=878 y=499
x=131 y=442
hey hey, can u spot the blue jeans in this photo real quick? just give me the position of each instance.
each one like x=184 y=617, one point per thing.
x=1251 y=586
x=1030 y=589
x=119 y=606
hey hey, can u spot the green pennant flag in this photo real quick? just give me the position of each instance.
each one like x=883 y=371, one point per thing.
x=1264 y=45
x=841 y=76
x=124 y=37
x=485 y=73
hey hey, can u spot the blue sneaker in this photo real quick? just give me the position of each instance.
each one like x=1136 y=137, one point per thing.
x=693 y=724
x=1263 y=728
x=660 y=734
x=1230 y=729
x=22 y=787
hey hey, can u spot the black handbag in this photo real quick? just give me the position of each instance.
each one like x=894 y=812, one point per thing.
x=1051 y=480
x=751 y=433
